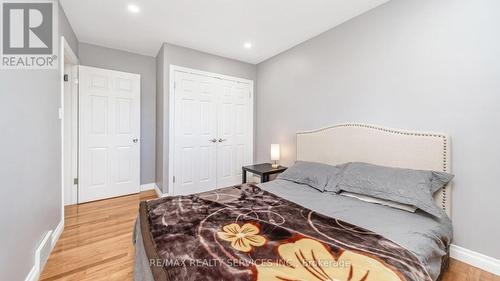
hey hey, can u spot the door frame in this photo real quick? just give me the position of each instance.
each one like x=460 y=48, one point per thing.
x=171 y=115
x=67 y=56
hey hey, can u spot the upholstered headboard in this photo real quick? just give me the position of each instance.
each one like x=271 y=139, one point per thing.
x=377 y=145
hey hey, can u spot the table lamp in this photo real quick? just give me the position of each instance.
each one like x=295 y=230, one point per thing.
x=275 y=155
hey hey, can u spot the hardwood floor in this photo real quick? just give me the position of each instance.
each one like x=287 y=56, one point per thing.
x=97 y=244
x=459 y=271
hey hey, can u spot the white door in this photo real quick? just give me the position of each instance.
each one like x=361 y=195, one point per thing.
x=195 y=133
x=109 y=148
x=234 y=131
x=213 y=131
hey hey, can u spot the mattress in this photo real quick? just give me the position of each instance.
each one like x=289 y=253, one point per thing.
x=424 y=235
x=427 y=237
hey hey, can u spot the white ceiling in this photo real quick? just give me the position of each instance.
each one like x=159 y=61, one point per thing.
x=218 y=27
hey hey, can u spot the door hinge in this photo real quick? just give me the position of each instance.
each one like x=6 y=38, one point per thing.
x=75 y=181
x=249 y=95
x=66 y=78
x=173 y=179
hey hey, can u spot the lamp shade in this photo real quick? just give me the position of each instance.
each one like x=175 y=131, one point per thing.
x=275 y=152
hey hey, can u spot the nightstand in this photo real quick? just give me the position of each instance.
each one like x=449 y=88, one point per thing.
x=263 y=170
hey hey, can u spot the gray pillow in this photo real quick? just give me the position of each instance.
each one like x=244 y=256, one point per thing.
x=333 y=181
x=406 y=186
x=316 y=175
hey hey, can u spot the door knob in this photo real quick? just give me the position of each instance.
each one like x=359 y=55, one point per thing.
x=135 y=140
x=222 y=140
x=214 y=140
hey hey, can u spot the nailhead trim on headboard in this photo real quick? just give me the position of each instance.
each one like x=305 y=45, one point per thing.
x=393 y=131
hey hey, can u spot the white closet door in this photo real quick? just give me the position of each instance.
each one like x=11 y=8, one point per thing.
x=195 y=133
x=109 y=117
x=234 y=131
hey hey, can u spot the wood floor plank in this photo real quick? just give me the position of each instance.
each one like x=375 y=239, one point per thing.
x=96 y=245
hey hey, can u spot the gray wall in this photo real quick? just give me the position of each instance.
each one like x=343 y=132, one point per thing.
x=161 y=148
x=66 y=30
x=414 y=64
x=180 y=56
x=101 y=57
x=30 y=170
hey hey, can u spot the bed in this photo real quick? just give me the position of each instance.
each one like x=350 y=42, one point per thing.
x=363 y=241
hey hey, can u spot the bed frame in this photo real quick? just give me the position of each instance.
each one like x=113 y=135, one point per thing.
x=354 y=142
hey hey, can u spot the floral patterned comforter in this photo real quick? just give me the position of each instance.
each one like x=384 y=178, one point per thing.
x=245 y=233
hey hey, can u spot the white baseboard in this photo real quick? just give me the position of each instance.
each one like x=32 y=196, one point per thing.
x=255 y=179
x=50 y=238
x=476 y=259
x=159 y=193
x=34 y=274
x=57 y=233
x=148 y=186
x=35 y=271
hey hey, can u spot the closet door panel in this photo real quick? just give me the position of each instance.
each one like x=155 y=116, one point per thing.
x=194 y=129
x=234 y=131
x=212 y=131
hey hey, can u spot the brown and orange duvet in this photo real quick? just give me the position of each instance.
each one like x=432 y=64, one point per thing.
x=245 y=233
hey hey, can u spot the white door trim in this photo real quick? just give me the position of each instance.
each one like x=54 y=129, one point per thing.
x=171 y=99
x=65 y=52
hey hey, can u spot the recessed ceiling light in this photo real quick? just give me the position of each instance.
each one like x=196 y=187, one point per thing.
x=133 y=8
x=247 y=45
